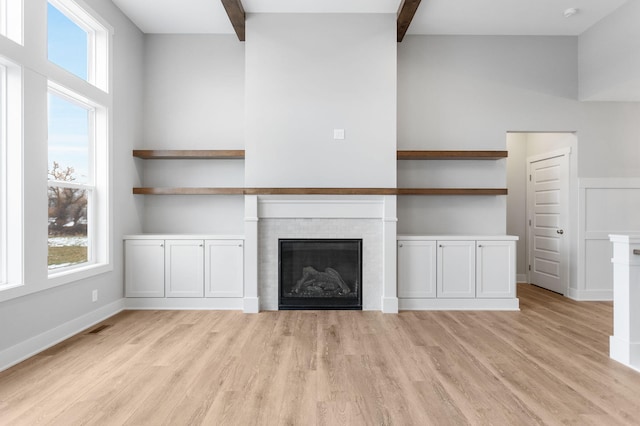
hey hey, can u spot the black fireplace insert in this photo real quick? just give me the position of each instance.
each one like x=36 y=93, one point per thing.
x=320 y=274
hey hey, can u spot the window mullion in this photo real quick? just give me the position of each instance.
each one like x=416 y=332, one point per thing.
x=70 y=185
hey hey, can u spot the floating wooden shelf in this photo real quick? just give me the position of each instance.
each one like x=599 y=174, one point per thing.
x=320 y=191
x=205 y=154
x=451 y=191
x=452 y=155
x=217 y=154
x=189 y=191
x=240 y=154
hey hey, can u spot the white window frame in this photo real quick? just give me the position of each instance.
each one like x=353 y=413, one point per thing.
x=98 y=213
x=29 y=76
x=98 y=35
x=73 y=87
x=89 y=187
x=3 y=175
x=11 y=18
x=11 y=181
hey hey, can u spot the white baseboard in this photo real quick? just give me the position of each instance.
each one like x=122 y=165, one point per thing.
x=30 y=347
x=522 y=279
x=459 y=304
x=251 y=305
x=590 y=295
x=389 y=305
x=184 y=303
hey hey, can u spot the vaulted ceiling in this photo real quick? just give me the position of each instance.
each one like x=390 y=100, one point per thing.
x=468 y=17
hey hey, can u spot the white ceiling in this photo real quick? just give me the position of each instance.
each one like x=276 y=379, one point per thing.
x=473 y=17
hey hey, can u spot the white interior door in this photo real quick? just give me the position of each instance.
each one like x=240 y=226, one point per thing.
x=547 y=198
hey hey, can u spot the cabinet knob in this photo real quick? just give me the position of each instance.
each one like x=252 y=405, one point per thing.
x=560 y=231
x=161 y=245
x=239 y=245
x=439 y=245
x=400 y=245
x=201 y=245
x=480 y=245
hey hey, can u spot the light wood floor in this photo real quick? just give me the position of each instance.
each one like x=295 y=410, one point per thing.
x=547 y=364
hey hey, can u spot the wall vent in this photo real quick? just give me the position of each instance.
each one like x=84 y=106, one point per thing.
x=99 y=328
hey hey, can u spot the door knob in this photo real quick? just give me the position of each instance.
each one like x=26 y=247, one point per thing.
x=560 y=231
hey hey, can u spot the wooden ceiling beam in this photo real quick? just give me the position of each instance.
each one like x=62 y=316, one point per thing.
x=406 y=12
x=235 y=11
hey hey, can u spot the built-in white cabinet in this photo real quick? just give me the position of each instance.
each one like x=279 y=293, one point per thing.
x=144 y=268
x=224 y=267
x=417 y=269
x=495 y=269
x=184 y=268
x=457 y=272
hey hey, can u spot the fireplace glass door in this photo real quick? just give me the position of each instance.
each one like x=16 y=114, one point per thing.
x=320 y=274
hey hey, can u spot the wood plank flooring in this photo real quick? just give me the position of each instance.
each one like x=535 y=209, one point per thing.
x=547 y=364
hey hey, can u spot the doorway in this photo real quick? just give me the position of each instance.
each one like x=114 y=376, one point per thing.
x=540 y=173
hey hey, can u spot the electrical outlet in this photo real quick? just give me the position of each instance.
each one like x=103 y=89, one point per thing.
x=338 y=134
x=94 y=296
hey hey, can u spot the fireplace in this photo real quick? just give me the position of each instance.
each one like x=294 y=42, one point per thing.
x=320 y=274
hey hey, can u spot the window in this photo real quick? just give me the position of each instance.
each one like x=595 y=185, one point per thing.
x=78 y=154
x=10 y=174
x=50 y=113
x=68 y=43
x=71 y=187
x=77 y=42
x=77 y=191
x=3 y=175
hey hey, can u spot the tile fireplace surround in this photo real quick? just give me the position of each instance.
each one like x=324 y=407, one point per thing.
x=371 y=218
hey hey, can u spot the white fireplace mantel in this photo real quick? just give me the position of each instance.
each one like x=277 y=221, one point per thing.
x=314 y=215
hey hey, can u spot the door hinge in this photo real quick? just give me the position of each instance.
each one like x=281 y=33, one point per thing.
x=529 y=222
x=529 y=267
x=529 y=178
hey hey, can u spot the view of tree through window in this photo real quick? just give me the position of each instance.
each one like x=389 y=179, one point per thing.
x=71 y=143
x=70 y=181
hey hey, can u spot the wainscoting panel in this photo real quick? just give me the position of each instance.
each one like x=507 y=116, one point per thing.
x=607 y=206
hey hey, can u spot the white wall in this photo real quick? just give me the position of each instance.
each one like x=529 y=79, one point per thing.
x=466 y=92
x=609 y=139
x=610 y=57
x=193 y=99
x=34 y=321
x=307 y=74
x=193 y=92
x=543 y=143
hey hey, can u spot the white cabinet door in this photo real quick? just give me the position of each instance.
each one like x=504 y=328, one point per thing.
x=184 y=268
x=456 y=271
x=496 y=275
x=416 y=269
x=224 y=268
x=144 y=268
